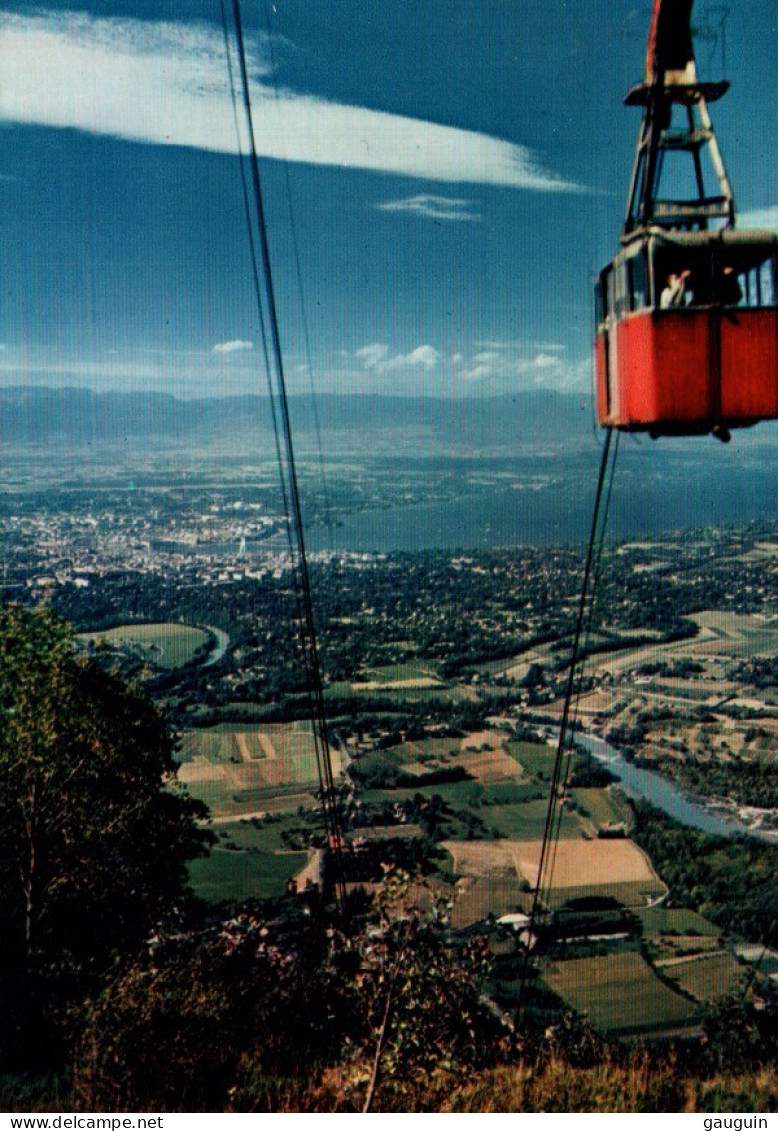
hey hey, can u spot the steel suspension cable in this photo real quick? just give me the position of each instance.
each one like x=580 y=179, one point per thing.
x=303 y=313
x=268 y=315
x=560 y=749
x=255 y=275
x=596 y=571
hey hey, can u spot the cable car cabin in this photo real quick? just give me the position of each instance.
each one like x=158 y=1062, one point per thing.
x=687 y=332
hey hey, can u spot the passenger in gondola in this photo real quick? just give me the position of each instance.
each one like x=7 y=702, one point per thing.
x=674 y=293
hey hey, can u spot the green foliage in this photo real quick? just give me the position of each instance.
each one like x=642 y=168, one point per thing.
x=378 y=771
x=588 y=773
x=747 y=781
x=231 y=875
x=422 y=997
x=732 y=882
x=239 y=1016
x=738 y=1034
x=93 y=847
x=761 y=672
x=199 y=1023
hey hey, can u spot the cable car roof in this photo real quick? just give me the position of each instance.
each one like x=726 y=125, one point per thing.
x=749 y=239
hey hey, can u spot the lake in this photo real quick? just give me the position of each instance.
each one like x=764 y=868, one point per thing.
x=654 y=490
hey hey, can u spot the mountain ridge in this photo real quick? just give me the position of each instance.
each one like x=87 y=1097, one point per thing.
x=74 y=415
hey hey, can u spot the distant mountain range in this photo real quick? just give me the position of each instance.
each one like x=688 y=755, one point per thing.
x=523 y=422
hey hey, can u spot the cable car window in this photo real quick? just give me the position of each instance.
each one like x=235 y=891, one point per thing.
x=599 y=303
x=676 y=286
x=767 y=283
x=638 y=277
x=610 y=302
x=746 y=284
x=681 y=277
x=700 y=283
x=622 y=289
x=733 y=287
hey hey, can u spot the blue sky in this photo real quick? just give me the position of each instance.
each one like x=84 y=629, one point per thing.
x=442 y=180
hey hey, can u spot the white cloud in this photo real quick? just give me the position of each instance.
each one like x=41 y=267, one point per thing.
x=425 y=356
x=237 y=345
x=167 y=84
x=376 y=357
x=484 y=365
x=432 y=207
x=490 y=368
x=759 y=218
x=191 y=373
x=544 y=361
x=515 y=365
x=546 y=371
x=182 y=372
x=373 y=356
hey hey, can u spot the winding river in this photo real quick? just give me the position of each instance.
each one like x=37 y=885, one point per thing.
x=222 y=644
x=648 y=786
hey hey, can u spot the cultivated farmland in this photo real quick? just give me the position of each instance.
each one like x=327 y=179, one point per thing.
x=621 y=994
x=255 y=780
x=605 y=868
x=703 y=976
x=238 y=771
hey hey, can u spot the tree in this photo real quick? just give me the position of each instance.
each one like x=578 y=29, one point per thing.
x=94 y=835
x=423 y=1000
x=242 y=1014
x=217 y=1020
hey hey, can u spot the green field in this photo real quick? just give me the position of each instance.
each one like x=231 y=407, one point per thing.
x=399 y=695
x=536 y=759
x=620 y=994
x=428 y=748
x=208 y=743
x=485 y=806
x=629 y=893
x=497 y=893
x=600 y=806
x=270 y=755
x=256 y=795
x=399 y=673
x=675 y=921
x=508 y=793
x=250 y=861
x=166 y=646
x=258 y=835
x=241 y=772
x=705 y=976
x=527 y=820
x=681 y=689
x=235 y=876
x=452 y=793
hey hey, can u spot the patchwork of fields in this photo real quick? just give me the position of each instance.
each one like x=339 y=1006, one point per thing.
x=704 y=977
x=607 y=868
x=261 y=784
x=622 y=995
x=576 y=869
x=244 y=772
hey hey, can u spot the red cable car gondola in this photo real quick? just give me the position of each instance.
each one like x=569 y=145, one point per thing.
x=687 y=314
